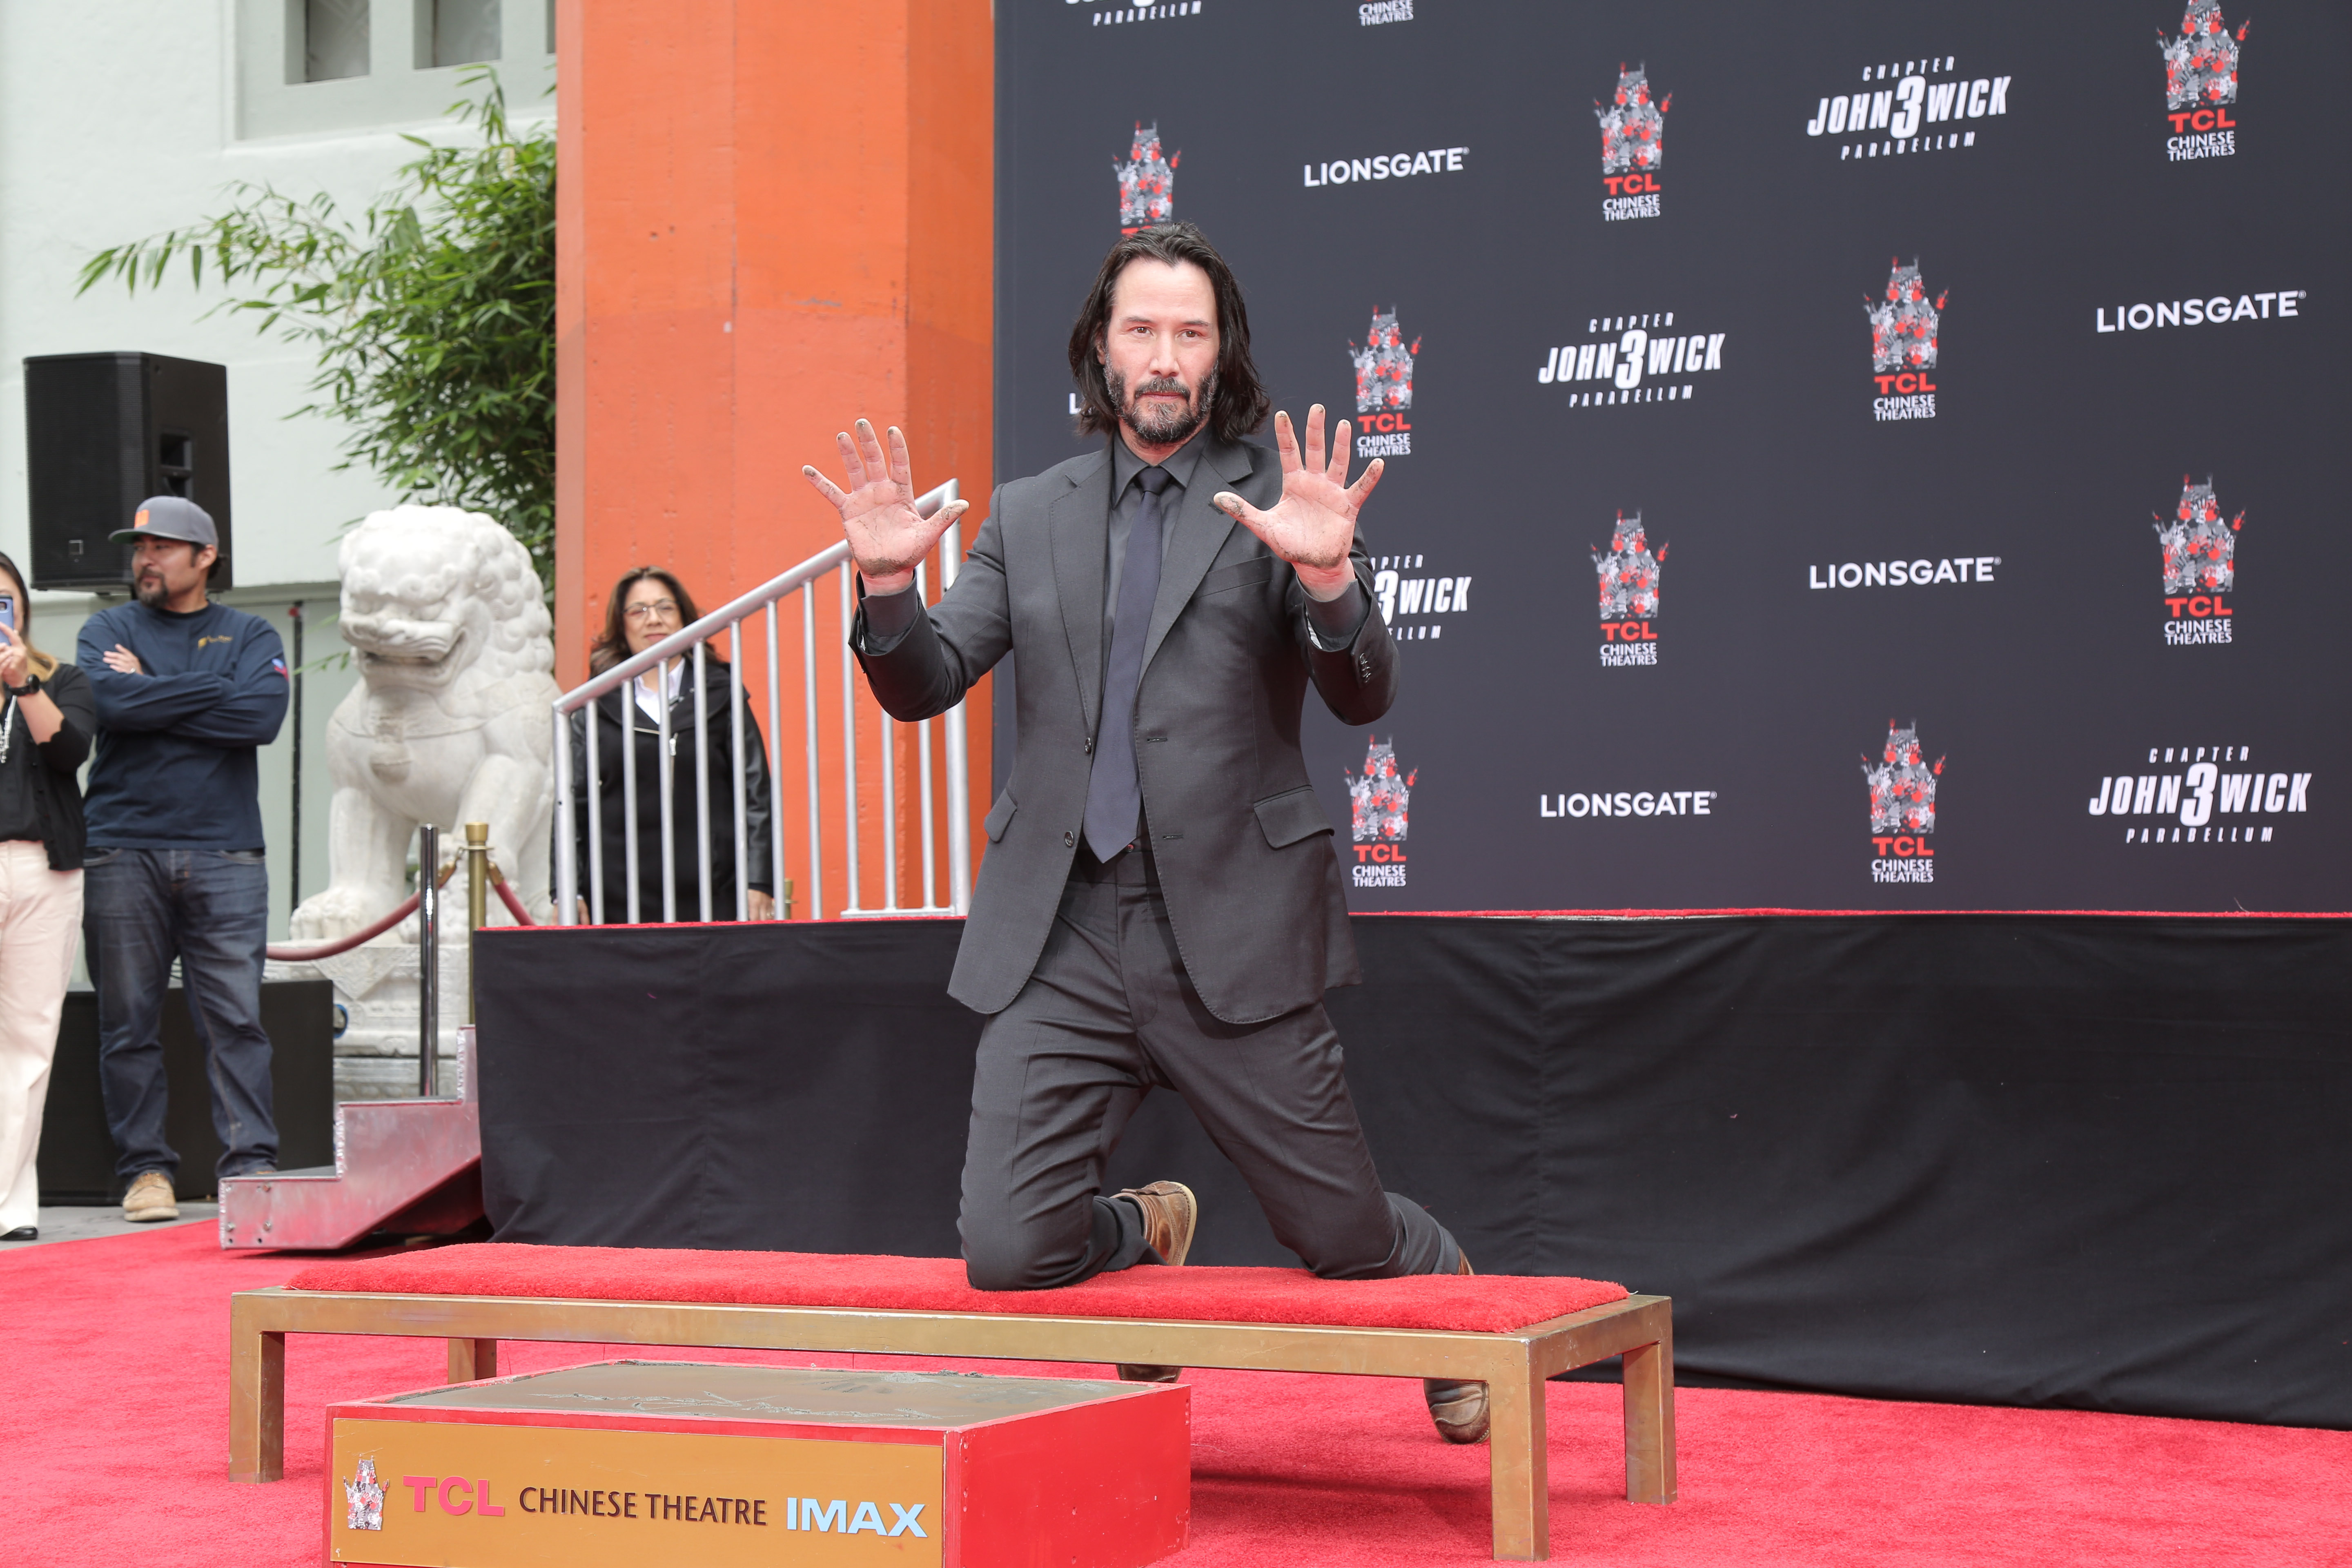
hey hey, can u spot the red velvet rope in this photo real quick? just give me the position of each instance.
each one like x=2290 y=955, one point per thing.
x=407 y=906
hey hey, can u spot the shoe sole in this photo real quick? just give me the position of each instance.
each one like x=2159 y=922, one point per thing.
x=148 y=1216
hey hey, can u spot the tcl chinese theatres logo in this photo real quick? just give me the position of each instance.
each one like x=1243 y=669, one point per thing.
x=1380 y=800
x=1633 y=146
x=1629 y=580
x=2200 y=84
x=1384 y=387
x=1147 y=182
x=1901 y=808
x=2200 y=566
x=1903 y=325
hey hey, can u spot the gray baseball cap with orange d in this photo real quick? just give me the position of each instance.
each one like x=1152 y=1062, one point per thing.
x=170 y=517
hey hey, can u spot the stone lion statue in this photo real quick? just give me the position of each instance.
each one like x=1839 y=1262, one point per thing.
x=457 y=654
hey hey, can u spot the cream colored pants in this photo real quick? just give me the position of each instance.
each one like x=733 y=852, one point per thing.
x=40 y=917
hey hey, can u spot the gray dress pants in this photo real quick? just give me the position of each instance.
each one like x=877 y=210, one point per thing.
x=1107 y=1016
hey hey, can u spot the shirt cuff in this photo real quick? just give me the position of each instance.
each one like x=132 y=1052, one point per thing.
x=889 y=618
x=1335 y=622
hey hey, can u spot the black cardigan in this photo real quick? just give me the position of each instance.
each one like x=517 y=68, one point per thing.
x=56 y=786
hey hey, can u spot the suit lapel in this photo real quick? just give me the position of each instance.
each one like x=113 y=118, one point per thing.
x=1201 y=532
x=1077 y=526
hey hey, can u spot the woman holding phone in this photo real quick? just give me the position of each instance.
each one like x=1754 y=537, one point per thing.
x=46 y=719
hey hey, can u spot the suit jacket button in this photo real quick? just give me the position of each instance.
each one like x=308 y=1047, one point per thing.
x=1068 y=839
x=1090 y=745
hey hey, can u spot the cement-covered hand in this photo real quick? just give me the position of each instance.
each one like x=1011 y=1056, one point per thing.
x=887 y=535
x=1313 y=526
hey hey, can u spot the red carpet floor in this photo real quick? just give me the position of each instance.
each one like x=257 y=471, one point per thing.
x=113 y=1439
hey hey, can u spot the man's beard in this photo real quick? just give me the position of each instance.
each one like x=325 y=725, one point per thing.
x=1158 y=426
x=150 y=591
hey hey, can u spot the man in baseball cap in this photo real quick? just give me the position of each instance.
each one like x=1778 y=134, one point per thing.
x=187 y=691
x=170 y=517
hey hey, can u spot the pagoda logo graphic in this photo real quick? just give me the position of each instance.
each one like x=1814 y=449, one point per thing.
x=363 y=1498
x=2200 y=566
x=1384 y=388
x=1381 y=799
x=1632 y=131
x=1147 y=182
x=2200 y=84
x=1901 y=808
x=1629 y=594
x=1903 y=329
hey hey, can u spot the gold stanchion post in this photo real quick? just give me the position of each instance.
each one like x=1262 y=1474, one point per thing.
x=478 y=894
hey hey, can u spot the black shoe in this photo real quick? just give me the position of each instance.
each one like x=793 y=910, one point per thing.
x=24 y=1233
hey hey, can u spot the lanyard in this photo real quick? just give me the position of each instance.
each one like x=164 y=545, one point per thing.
x=7 y=728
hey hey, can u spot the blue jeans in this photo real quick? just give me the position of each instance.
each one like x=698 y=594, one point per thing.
x=210 y=909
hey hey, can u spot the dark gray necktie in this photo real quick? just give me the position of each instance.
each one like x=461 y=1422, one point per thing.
x=1114 y=798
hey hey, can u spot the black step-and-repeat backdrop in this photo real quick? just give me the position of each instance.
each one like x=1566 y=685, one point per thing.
x=1838 y=457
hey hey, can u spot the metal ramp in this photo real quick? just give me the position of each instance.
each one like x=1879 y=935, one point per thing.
x=411 y=1167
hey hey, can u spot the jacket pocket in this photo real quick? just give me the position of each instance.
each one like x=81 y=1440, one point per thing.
x=1291 y=816
x=1240 y=574
x=999 y=817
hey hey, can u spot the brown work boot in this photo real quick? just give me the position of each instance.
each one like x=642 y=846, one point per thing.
x=150 y=1198
x=1458 y=1408
x=1170 y=1214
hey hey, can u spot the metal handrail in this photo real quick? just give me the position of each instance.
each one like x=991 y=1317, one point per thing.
x=690 y=642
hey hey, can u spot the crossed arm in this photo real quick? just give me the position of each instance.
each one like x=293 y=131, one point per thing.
x=243 y=708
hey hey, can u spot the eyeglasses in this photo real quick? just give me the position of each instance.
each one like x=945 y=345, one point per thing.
x=652 y=609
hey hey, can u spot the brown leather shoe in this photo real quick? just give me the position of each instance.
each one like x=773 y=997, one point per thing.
x=1170 y=1214
x=150 y=1198
x=1458 y=1408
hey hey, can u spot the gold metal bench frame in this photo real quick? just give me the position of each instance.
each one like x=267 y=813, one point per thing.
x=1512 y=1366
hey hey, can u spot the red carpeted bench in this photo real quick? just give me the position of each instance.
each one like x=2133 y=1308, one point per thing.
x=1508 y=1331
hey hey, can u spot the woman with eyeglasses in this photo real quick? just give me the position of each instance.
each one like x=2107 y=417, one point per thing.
x=46 y=719
x=647 y=604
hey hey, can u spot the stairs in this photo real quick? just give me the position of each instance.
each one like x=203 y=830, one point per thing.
x=409 y=1167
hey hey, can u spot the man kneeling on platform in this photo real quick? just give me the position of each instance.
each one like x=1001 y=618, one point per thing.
x=1161 y=903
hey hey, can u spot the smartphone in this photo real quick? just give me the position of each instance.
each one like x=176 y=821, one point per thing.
x=8 y=611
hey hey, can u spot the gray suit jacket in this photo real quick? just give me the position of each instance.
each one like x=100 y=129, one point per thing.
x=1245 y=855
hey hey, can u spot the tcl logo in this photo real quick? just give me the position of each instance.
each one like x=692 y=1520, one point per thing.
x=2201 y=120
x=458 y=1495
x=1902 y=846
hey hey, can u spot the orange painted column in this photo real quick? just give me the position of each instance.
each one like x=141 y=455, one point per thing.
x=770 y=219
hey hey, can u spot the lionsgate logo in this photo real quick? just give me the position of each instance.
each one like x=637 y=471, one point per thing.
x=2200 y=84
x=2179 y=807
x=1412 y=604
x=1901 y=808
x=2200 y=567
x=1402 y=166
x=1116 y=14
x=1631 y=802
x=1622 y=351
x=1147 y=182
x=1894 y=121
x=1629 y=594
x=1633 y=147
x=1384 y=387
x=2218 y=310
x=1379 y=801
x=1903 y=329
x=1920 y=573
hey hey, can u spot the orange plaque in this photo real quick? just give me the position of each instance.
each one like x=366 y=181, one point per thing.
x=641 y=1464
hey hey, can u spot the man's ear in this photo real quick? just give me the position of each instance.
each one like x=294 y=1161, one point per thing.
x=204 y=557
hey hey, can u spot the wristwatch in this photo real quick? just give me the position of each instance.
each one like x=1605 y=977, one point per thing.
x=30 y=688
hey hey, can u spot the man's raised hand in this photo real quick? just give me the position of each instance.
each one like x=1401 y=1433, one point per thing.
x=1313 y=526
x=887 y=534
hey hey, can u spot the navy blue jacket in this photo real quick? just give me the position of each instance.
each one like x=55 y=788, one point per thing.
x=176 y=766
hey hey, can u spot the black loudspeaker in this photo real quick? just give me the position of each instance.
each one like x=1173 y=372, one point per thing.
x=104 y=433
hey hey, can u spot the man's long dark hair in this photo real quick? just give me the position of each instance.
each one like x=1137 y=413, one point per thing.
x=1240 y=404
